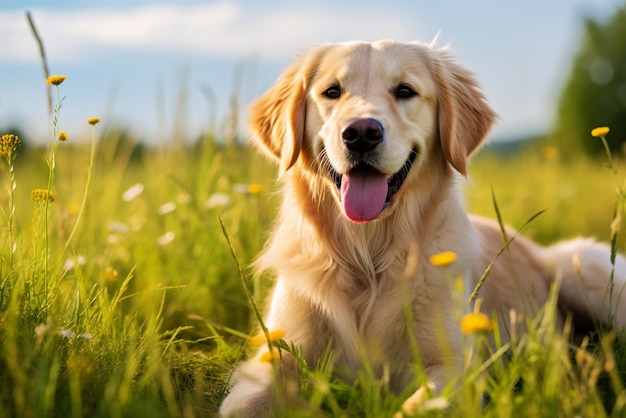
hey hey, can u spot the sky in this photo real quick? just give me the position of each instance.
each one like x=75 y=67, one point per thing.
x=162 y=68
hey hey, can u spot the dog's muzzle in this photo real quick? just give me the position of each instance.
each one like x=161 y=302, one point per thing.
x=365 y=192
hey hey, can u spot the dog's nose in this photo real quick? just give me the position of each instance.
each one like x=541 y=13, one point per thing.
x=363 y=134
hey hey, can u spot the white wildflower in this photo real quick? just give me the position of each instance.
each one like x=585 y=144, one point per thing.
x=215 y=200
x=166 y=208
x=166 y=238
x=240 y=188
x=70 y=263
x=67 y=334
x=132 y=192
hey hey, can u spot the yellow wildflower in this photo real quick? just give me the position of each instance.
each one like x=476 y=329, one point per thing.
x=42 y=195
x=259 y=340
x=8 y=144
x=63 y=136
x=443 y=259
x=600 y=131
x=111 y=273
x=550 y=152
x=475 y=322
x=93 y=121
x=270 y=356
x=255 y=188
x=73 y=209
x=55 y=80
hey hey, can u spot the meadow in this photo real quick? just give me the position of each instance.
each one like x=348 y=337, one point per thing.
x=125 y=289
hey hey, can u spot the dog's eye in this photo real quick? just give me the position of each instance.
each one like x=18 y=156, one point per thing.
x=403 y=91
x=333 y=92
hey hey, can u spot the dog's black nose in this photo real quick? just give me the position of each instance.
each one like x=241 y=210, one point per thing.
x=363 y=134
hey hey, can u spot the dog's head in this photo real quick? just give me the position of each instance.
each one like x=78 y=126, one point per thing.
x=366 y=117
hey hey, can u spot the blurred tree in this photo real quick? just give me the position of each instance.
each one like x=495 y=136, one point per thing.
x=595 y=93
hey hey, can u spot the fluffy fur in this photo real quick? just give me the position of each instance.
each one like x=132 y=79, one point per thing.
x=347 y=282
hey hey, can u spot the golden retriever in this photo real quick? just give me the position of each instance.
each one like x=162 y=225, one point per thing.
x=372 y=140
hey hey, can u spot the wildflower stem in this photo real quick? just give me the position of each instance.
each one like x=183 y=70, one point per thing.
x=615 y=223
x=87 y=183
x=12 y=186
x=51 y=167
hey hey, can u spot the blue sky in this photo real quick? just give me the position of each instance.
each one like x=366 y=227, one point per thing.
x=133 y=62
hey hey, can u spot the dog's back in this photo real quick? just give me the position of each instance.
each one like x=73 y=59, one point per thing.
x=518 y=284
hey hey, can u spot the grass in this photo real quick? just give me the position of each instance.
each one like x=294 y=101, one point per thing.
x=120 y=298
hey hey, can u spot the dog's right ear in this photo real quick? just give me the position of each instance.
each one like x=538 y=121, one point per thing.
x=465 y=117
x=278 y=117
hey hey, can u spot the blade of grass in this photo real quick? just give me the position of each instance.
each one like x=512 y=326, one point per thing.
x=507 y=244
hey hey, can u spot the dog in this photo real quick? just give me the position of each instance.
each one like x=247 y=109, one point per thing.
x=372 y=141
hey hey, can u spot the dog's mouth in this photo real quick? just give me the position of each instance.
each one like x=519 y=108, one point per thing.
x=365 y=192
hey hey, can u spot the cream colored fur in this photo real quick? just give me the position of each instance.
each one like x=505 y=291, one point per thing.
x=347 y=284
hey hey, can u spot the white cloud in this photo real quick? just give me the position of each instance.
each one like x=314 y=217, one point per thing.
x=226 y=29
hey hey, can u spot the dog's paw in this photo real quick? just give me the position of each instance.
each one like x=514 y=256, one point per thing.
x=251 y=405
x=412 y=403
x=252 y=395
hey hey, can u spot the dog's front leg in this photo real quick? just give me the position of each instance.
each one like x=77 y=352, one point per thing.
x=262 y=380
x=252 y=394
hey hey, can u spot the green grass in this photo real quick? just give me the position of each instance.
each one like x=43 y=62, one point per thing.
x=143 y=312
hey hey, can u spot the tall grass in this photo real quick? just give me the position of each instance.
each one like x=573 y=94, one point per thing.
x=120 y=298
x=118 y=305
x=146 y=313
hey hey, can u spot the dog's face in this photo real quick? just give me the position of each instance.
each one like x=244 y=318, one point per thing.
x=366 y=117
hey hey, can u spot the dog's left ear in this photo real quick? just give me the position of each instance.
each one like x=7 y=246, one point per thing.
x=464 y=115
x=277 y=118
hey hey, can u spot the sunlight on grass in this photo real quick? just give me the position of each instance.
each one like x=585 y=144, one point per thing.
x=124 y=289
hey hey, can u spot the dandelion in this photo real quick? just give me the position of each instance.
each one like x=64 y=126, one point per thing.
x=255 y=188
x=443 y=259
x=55 y=80
x=93 y=121
x=110 y=274
x=42 y=196
x=270 y=356
x=63 y=136
x=260 y=339
x=475 y=322
x=600 y=131
x=8 y=144
x=132 y=192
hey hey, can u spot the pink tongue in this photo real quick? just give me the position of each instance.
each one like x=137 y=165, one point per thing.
x=363 y=193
